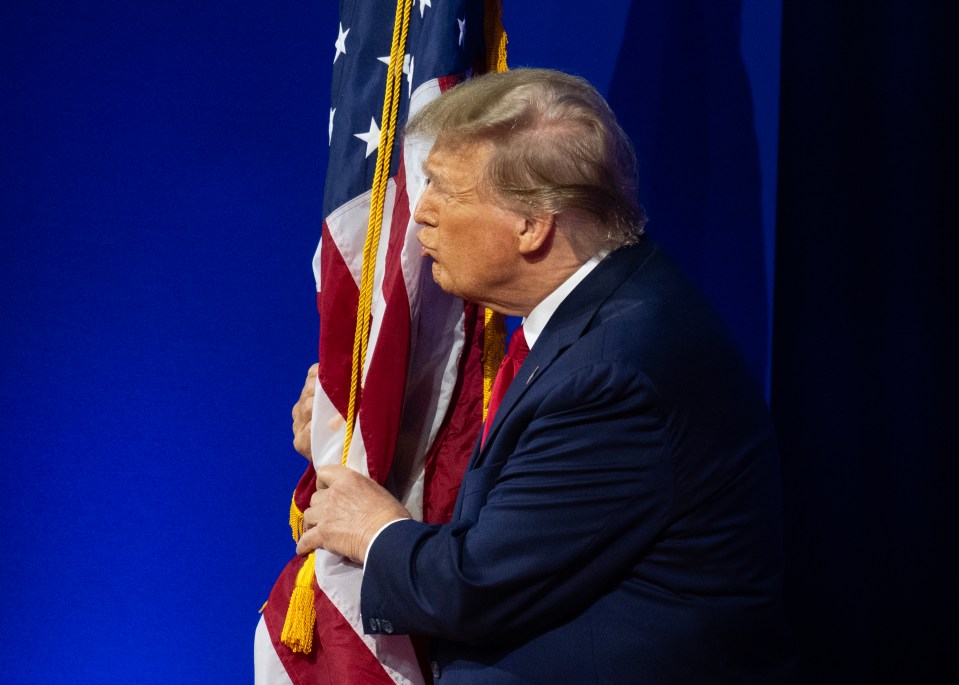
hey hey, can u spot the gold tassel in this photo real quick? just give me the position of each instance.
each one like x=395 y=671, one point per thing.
x=301 y=616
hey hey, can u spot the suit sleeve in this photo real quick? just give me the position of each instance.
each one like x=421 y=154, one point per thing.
x=583 y=490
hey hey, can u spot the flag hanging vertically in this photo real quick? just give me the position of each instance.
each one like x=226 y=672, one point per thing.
x=400 y=385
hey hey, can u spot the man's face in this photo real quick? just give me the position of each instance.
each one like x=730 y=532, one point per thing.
x=471 y=240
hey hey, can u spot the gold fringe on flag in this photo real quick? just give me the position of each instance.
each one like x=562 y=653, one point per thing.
x=296 y=520
x=494 y=330
x=494 y=337
x=495 y=36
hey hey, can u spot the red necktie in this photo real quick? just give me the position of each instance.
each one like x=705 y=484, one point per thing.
x=507 y=370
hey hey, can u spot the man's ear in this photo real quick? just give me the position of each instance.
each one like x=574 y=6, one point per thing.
x=536 y=234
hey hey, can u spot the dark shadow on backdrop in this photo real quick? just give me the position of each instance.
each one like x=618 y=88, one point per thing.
x=864 y=387
x=682 y=94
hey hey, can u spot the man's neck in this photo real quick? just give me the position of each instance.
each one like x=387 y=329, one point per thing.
x=537 y=319
x=540 y=274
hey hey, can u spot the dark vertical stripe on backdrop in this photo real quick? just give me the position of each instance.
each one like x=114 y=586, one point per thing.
x=864 y=351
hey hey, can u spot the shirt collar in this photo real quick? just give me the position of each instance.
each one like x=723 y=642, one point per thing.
x=534 y=324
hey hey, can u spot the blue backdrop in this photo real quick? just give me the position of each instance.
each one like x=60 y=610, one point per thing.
x=162 y=167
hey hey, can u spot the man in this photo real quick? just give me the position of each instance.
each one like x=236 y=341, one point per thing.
x=619 y=520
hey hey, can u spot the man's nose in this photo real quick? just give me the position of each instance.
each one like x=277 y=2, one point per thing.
x=418 y=214
x=422 y=213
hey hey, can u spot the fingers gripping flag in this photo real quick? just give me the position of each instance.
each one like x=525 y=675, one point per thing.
x=399 y=396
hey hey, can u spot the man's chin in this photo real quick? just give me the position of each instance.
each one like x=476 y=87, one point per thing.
x=440 y=279
x=438 y=276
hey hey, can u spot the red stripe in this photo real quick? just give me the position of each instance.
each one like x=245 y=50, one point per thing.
x=447 y=82
x=339 y=655
x=337 y=303
x=385 y=385
x=447 y=457
x=305 y=488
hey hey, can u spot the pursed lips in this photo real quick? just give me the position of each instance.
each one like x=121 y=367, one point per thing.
x=425 y=250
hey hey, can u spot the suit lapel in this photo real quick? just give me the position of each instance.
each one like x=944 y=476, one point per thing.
x=566 y=326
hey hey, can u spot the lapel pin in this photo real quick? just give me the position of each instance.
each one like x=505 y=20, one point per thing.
x=531 y=375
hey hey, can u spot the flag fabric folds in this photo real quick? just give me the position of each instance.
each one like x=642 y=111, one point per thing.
x=418 y=398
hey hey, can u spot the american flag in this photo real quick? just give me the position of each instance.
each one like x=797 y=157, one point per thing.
x=420 y=404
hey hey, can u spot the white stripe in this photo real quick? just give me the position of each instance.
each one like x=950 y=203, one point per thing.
x=378 y=303
x=347 y=226
x=328 y=435
x=438 y=338
x=267 y=667
x=340 y=580
x=317 y=258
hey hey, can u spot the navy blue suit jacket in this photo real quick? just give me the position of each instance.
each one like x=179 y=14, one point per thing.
x=622 y=521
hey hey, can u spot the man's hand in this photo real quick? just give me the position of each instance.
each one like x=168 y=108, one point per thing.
x=303 y=415
x=345 y=513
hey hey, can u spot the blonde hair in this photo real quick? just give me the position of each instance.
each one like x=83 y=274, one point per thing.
x=556 y=146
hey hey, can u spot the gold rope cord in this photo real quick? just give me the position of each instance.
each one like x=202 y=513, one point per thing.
x=391 y=105
x=300 y=620
x=494 y=330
